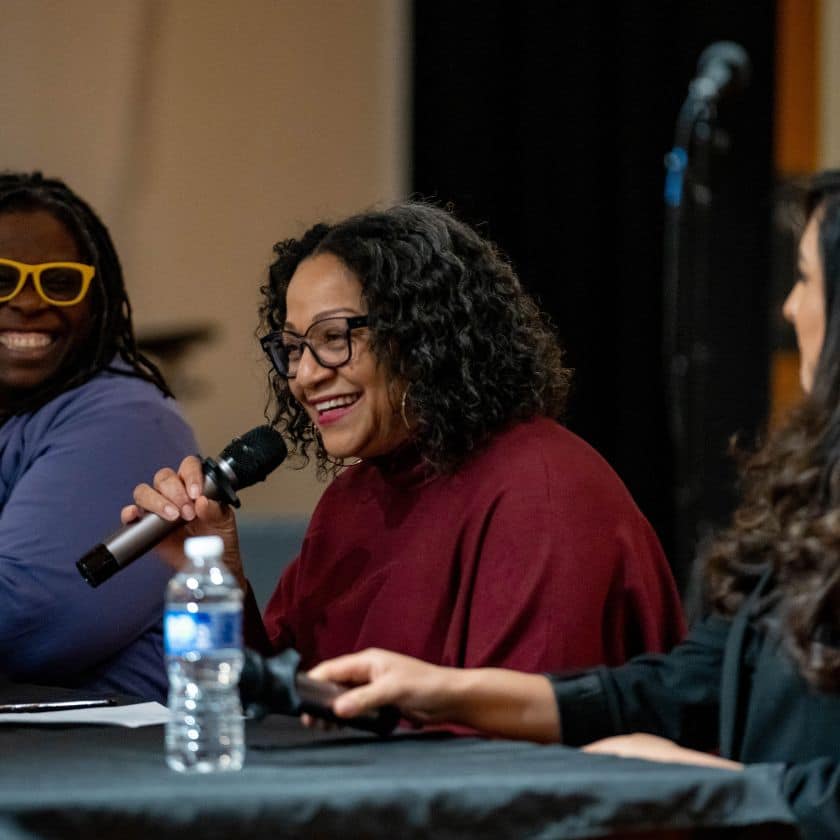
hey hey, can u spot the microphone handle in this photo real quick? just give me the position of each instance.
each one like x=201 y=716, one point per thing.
x=275 y=684
x=133 y=540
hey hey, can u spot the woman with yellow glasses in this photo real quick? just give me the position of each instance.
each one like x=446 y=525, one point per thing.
x=82 y=415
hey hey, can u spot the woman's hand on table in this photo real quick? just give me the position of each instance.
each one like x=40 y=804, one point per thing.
x=654 y=748
x=175 y=495
x=494 y=700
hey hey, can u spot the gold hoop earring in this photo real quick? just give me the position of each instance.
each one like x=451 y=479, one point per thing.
x=402 y=407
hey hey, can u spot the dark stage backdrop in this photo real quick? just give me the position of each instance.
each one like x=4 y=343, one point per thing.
x=547 y=123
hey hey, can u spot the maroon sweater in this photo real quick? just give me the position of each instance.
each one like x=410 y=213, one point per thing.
x=531 y=556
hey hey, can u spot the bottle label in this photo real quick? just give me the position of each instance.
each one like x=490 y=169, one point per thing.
x=198 y=632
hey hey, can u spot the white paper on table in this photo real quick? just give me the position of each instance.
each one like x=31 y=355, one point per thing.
x=133 y=716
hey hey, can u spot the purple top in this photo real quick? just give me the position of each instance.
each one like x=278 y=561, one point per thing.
x=65 y=472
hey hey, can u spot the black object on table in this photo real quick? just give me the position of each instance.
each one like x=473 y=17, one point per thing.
x=275 y=684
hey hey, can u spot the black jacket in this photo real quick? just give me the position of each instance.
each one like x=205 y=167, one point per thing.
x=729 y=686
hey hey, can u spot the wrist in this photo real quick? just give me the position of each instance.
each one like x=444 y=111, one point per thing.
x=503 y=702
x=460 y=694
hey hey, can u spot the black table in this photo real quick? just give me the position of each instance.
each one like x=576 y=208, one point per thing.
x=80 y=781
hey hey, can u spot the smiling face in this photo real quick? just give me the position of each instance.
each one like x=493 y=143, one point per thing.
x=805 y=305
x=352 y=406
x=37 y=339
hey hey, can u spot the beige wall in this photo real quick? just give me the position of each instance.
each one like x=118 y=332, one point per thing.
x=204 y=131
x=829 y=146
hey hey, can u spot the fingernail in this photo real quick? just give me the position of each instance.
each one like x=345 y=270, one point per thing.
x=195 y=491
x=170 y=512
x=188 y=512
x=345 y=709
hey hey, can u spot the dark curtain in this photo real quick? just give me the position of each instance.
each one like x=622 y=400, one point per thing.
x=546 y=124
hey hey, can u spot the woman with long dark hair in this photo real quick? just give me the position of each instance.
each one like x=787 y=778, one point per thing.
x=464 y=524
x=82 y=414
x=757 y=681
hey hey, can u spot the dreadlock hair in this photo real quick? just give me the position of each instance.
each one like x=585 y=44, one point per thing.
x=111 y=333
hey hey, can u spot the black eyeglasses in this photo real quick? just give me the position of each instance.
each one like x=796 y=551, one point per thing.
x=328 y=341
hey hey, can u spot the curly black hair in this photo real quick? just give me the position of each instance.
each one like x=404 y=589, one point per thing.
x=790 y=514
x=111 y=333
x=448 y=318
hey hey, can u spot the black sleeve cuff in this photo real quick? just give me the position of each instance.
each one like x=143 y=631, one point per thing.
x=584 y=708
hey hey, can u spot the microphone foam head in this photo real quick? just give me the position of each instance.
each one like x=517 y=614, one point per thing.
x=725 y=67
x=255 y=454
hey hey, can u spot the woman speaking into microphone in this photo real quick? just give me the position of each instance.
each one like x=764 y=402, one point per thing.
x=463 y=524
x=757 y=682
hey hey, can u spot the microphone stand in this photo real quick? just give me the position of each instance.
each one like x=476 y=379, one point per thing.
x=686 y=280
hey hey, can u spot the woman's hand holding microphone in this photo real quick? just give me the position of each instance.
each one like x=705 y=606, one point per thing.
x=178 y=495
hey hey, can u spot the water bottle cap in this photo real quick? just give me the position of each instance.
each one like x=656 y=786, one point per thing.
x=203 y=547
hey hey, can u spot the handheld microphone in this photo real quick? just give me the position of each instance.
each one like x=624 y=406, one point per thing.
x=243 y=462
x=273 y=684
x=723 y=68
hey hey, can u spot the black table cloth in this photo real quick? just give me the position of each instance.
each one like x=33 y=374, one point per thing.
x=77 y=781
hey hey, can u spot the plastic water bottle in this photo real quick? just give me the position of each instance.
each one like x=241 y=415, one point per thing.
x=203 y=642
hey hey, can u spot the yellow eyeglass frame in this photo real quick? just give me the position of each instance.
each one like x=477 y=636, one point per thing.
x=27 y=269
